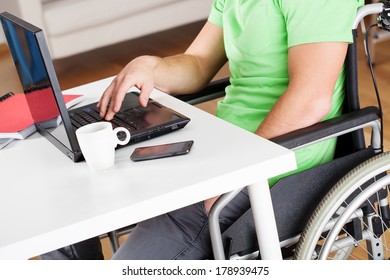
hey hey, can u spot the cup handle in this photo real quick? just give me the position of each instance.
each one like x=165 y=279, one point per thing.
x=117 y=140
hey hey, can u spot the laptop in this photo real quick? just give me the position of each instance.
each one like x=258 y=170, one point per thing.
x=35 y=68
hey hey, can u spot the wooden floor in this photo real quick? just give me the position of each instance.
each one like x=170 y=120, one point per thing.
x=106 y=62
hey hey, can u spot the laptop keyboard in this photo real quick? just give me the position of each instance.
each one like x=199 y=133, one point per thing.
x=91 y=115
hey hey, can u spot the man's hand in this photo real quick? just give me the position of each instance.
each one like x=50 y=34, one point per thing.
x=138 y=73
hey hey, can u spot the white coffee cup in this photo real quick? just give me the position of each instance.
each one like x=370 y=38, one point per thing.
x=97 y=143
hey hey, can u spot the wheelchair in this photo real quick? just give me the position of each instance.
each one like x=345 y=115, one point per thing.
x=339 y=210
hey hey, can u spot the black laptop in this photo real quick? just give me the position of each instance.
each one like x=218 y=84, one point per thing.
x=32 y=59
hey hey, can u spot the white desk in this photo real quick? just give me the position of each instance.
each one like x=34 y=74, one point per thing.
x=47 y=201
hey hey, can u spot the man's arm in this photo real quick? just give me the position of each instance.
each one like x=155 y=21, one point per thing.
x=183 y=73
x=313 y=69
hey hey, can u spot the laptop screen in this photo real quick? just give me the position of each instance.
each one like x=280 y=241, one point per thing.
x=37 y=76
x=31 y=69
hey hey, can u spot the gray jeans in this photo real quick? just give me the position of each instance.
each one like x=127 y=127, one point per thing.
x=182 y=234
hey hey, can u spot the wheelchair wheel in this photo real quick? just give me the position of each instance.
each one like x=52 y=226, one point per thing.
x=352 y=221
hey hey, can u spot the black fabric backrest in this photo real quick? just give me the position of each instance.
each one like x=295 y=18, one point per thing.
x=354 y=141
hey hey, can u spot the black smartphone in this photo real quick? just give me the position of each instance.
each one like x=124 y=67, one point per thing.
x=162 y=151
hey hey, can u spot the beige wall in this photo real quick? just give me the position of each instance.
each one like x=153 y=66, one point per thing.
x=10 y=6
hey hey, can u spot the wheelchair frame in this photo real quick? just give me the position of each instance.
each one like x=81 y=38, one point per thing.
x=351 y=123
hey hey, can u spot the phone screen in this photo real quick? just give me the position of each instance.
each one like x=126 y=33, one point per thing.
x=161 y=151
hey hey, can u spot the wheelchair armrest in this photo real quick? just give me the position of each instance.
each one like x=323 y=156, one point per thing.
x=214 y=90
x=325 y=129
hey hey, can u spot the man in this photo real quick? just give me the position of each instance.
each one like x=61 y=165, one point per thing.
x=286 y=62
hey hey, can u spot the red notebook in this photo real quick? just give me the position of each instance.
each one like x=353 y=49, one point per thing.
x=16 y=120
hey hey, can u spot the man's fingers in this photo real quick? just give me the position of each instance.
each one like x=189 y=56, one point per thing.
x=146 y=90
x=115 y=105
x=111 y=100
x=105 y=99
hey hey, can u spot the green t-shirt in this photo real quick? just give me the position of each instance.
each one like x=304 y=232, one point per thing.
x=257 y=35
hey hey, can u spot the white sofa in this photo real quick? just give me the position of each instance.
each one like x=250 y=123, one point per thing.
x=75 y=26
